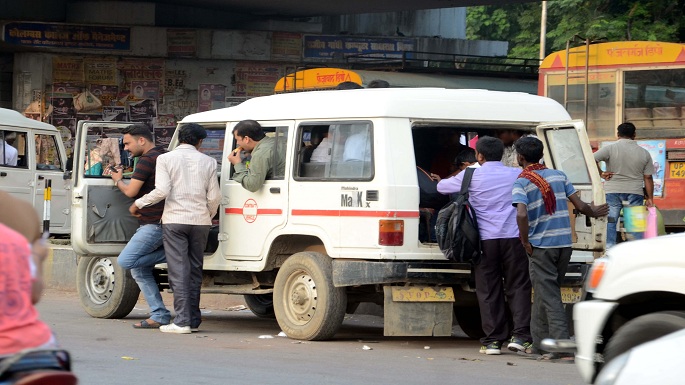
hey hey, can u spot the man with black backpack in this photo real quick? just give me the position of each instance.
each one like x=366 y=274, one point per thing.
x=503 y=265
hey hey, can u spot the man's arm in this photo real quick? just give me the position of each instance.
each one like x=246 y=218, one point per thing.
x=524 y=226
x=130 y=189
x=450 y=185
x=252 y=179
x=589 y=209
x=213 y=193
x=649 y=188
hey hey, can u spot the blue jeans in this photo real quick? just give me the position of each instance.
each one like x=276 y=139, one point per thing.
x=141 y=254
x=615 y=202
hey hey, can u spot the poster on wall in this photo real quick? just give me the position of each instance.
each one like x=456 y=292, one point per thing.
x=67 y=69
x=174 y=82
x=114 y=114
x=100 y=70
x=145 y=89
x=211 y=97
x=142 y=111
x=106 y=93
x=63 y=106
x=181 y=43
x=286 y=46
x=66 y=89
x=256 y=79
x=163 y=135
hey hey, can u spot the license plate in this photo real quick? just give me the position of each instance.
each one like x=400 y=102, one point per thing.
x=422 y=294
x=676 y=170
x=568 y=294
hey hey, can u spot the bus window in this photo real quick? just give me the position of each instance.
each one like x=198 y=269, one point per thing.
x=654 y=99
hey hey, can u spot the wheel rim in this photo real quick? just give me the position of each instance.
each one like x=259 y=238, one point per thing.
x=301 y=299
x=100 y=280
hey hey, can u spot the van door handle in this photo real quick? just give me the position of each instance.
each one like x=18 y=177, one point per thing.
x=3 y=173
x=40 y=177
x=275 y=190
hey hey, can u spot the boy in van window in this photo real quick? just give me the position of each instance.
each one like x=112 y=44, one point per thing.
x=10 y=154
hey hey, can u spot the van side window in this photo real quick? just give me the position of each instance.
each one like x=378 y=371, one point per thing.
x=280 y=136
x=47 y=153
x=335 y=151
x=13 y=149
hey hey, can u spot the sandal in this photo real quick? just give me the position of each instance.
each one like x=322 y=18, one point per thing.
x=147 y=324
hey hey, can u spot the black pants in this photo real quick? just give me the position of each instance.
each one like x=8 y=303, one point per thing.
x=184 y=246
x=503 y=270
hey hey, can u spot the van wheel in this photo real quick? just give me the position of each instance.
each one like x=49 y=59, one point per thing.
x=469 y=321
x=106 y=289
x=261 y=305
x=307 y=305
x=643 y=329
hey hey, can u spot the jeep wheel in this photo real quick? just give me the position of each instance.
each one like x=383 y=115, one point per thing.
x=261 y=305
x=106 y=289
x=643 y=329
x=307 y=305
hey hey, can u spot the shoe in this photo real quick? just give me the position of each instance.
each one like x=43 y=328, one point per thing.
x=195 y=330
x=493 y=348
x=148 y=324
x=173 y=328
x=518 y=345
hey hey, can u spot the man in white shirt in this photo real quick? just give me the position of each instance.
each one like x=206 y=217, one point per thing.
x=187 y=179
x=358 y=145
x=10 y=154
x=322 y=152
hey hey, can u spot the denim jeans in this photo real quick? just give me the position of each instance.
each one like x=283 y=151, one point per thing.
x=615 y=202
x=141 y=254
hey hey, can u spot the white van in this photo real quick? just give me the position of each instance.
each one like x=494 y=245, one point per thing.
x=321 y=237
x=32 y=153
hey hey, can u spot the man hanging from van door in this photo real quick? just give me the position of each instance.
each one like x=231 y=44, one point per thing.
x=544 y=226
x=145 y=249
x=503 y=267
x=250 y=137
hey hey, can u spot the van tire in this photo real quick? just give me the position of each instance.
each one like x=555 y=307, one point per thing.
x=106 y=289
x=261 y=305
x=307 y=305
x=643 y=329
x=468 y=318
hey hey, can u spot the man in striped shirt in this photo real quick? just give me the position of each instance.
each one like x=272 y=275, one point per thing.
x=145 y=249
x=540 y=195
x=188 y=180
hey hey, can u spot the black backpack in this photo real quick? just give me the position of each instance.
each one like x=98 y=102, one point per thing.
x=457 y=228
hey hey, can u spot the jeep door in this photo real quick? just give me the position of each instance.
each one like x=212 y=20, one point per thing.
x=251 y=220
x=101 y=223
x=567 y=148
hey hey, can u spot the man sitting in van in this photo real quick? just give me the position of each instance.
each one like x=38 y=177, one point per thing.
x=10 y=154
x=250 y=137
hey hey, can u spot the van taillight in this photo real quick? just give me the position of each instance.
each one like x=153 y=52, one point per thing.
x=391 y=232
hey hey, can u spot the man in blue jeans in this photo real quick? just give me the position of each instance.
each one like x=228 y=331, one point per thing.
x=629 y=169
x=145 y=249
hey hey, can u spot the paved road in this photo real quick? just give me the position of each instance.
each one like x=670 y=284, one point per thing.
x=229 y=350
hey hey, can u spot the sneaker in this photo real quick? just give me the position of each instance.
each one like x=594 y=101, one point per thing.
x=518 y=345
x=493 y=348
x=173 y=328
x=195 y=330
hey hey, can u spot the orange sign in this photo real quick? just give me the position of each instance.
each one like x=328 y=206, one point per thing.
x=316 y=79
x=618 y=53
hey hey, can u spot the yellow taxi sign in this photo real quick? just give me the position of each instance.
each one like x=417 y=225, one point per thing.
x=316 y=79
x=422 y=294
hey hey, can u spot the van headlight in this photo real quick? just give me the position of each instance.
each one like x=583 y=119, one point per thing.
x=596 y=274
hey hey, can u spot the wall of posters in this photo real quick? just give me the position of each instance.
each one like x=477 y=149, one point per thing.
x=211 y=97
x=181 y=43
x=256 y=78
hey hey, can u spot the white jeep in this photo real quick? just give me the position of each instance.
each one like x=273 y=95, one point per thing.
x=319 y=238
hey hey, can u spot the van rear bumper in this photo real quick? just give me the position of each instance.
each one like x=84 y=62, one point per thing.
x=356 y=273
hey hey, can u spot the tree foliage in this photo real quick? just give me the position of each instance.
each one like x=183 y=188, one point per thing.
x=610 y=20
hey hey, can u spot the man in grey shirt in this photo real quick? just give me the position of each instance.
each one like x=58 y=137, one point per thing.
x=628 y=177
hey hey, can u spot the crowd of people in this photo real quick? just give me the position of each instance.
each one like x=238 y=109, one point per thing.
x=526 y=231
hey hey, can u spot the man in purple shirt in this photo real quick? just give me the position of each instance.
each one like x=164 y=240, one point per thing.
x=504 y=266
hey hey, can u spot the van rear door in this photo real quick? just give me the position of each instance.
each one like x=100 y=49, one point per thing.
x=568 y=150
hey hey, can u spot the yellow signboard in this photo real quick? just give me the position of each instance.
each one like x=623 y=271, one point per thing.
x=618 y=54
x=316 y=79
x=676 y=170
